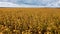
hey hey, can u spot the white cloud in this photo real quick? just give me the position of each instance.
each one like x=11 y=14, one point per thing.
x=56 y=4
x=3 y=0
x=32 y=1
x=10 y=4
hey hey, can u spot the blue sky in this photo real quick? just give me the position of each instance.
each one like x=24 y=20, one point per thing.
x=38 y=3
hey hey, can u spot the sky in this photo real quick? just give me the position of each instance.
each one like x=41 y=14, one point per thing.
x=29 y=3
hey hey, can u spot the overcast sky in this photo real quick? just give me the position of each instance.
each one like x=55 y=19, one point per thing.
x=38 y=3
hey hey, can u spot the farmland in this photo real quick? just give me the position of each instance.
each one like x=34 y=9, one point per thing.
x=29 y=21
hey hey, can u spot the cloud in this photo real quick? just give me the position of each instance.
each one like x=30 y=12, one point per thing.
x=29 y=3
x=8 y=4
